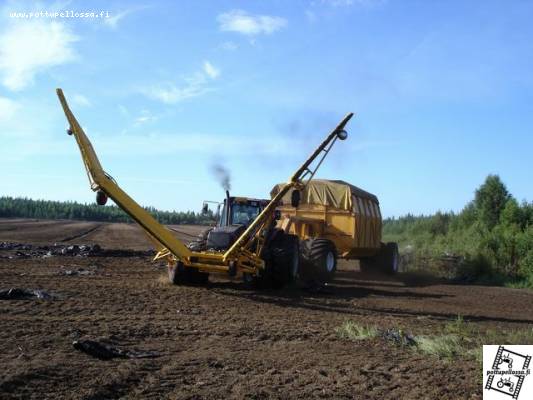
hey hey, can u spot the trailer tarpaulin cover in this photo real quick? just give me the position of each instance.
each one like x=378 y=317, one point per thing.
x=336 y=194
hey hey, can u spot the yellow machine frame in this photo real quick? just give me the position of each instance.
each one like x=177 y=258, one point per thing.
x=239 y=257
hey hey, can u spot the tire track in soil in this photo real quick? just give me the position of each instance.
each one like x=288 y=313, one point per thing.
x=81 y=235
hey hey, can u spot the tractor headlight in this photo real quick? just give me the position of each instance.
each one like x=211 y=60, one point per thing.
x=342 y=134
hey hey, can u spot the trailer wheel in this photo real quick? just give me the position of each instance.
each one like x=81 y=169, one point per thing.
x=320 y=260
x=390 y=259
x=179 y=275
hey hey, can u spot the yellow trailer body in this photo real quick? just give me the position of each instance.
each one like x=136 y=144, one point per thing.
x=335 y=210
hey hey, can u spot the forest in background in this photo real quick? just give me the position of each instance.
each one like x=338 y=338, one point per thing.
x=45 y=209
x=491 y=239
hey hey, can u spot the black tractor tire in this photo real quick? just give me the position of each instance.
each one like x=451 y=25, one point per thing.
x=282 y=263
x=319 y=260
x=285 y=261
x=179 y=275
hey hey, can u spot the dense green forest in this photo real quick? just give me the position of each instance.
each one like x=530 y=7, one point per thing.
x=26 y=208
x=490 y=239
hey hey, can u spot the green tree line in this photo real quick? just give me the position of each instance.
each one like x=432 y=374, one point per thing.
x=45 y=209
x=492 y=236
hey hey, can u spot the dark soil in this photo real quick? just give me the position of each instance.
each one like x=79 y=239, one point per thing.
x=224 y=340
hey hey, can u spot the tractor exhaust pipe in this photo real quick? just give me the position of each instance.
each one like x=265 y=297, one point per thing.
x=228 y=213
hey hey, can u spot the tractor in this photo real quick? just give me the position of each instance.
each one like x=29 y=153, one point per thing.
x=299 y=233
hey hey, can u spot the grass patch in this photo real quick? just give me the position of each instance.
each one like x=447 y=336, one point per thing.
x=459 y=339
x=353 y=331
x=443 y=346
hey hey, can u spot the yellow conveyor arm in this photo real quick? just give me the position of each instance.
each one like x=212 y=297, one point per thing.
x=101 y=181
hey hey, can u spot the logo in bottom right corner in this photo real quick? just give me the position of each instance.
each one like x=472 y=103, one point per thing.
x=506 y=372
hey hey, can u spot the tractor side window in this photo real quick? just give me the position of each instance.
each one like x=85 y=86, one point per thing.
x=223 y=221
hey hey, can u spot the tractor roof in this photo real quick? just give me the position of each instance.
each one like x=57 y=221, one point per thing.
x=333 y=193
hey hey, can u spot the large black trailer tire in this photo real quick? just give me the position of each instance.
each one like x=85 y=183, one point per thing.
x=390 y=259
x=179 y=275
x=319 y=258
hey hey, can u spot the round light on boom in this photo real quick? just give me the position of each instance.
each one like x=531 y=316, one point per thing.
x=342 y=134
x=101 y=198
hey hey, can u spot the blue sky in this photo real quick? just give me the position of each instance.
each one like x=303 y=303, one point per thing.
x=442 y=91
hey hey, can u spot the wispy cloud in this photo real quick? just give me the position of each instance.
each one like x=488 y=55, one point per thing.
x=193 y=85
x=31 y=47
x=8 y=109
x=81 y=100
x=229 y=45
x=210 y=70
x=144 y=117
x=248 y=24
x=115 y=18
x=348 y=3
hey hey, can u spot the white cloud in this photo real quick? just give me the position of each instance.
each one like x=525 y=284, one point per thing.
x=81 y=100
x=242 y=22
x=194 y=85
x=30 y=47
x=348 y=3
x=229 y=45
x=114 y=19
x=169 y=93
x=8 y=109
x=146 y=116
x=210 y=70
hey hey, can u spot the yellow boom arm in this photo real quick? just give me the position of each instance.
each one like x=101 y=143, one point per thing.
x=240 y=254
x=101 y=181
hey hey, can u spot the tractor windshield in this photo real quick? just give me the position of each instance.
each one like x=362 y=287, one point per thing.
x=243 y=214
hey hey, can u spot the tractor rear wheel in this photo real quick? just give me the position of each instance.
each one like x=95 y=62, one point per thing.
x=282 y=263
x=179 y=275
x=285 y=261
x=319 y=260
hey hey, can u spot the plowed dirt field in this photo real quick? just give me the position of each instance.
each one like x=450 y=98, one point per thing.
x=224 y=340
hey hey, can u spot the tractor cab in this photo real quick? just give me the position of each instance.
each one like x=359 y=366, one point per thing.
x=240 y=211
x=236 y=214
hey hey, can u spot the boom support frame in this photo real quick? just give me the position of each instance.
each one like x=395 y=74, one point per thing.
x=245 y=253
